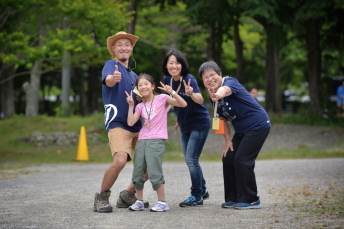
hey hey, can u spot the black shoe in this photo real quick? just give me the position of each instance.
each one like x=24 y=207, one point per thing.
x=206 y=195
x=229 y=204
x=191 y=202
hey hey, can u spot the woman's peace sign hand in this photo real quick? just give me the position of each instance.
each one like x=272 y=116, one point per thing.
x=130 y=100
x=213 y=96
x=188 y=88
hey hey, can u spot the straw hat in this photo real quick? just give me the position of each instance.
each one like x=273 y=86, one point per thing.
x=121 y=34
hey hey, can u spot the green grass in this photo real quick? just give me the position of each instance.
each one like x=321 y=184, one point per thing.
x=17 y=154
x=312 y=201
x=309 y=119
x=14 y=150
x=301 y=153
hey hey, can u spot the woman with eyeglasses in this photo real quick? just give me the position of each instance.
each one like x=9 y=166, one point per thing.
x=232 y=103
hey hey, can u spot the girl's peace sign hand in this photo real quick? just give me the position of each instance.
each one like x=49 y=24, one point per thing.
x=165 y=88
x=130 y=100
x=188 y=88
x=213 y=96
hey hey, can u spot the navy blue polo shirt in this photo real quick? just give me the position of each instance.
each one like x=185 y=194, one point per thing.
x=194 y=116
x=114 y=98
x=242 y=109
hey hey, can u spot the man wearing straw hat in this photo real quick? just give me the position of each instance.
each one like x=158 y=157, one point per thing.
x=117 y=77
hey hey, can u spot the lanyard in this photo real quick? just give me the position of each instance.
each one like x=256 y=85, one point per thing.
x=216 y=115
x=149 y=114
x=180 y=83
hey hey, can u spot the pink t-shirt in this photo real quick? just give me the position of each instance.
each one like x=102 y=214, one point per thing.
x=158 y=118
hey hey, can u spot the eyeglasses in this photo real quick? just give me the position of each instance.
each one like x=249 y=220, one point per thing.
x=208 y=77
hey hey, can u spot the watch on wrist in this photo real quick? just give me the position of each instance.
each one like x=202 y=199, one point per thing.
x=173 y=93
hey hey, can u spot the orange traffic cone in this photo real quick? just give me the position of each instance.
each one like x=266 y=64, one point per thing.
x=82 y=154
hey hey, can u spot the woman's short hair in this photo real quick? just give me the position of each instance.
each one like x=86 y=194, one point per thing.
x=209 y=65
x=180 y=58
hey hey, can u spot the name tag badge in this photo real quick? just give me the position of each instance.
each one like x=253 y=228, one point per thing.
x=137 y=92
x=216 y=124
x=221 y=129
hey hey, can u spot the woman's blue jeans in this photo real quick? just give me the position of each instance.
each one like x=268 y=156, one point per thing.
x=192 y=145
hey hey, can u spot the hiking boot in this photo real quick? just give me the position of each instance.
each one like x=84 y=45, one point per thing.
x=243 y=206
x=101 y=202
x=191 y=201
x=206 y=195
x=229 y=204
x=137 y=206
x=127 y=198
x=160 y=207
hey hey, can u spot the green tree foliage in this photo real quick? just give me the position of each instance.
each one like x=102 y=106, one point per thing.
x=253 y=37
x=82 y=27
x=318 y=23
x=275 y=17
x=214 y=17
x=265 y=43
x=163 y=30
x=79 y=26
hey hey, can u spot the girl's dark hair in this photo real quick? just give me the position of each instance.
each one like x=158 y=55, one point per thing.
x=209 y=65
x=146 y=76
x=180 y=58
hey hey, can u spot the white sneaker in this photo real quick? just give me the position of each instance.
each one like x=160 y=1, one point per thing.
x=160 y=207
x=137 y=206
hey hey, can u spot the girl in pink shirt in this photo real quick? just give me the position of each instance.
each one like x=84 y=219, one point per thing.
x=150 y=147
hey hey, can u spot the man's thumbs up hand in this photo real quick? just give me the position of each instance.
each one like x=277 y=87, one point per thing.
x=117 y=76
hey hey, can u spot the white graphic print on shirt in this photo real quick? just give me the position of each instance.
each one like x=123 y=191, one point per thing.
x=109 y=108
x=224 y=106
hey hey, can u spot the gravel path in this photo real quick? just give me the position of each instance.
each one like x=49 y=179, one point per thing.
x=294 y=194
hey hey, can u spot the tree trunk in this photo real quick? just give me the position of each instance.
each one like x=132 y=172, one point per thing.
x=211 y=43
x=94 y=89
x=32 y=90
x=273 y=102
x=214 y=44
x=7 y=92
x=239 y=52
x=131 y=25
x=66 y=78
x=219 y=41
x=82 y=92
x=314 y=64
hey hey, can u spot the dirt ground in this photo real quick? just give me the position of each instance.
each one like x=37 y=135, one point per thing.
x=304 y=193
x=301 y=193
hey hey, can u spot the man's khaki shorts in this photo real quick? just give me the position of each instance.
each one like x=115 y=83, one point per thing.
x=121 y=140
